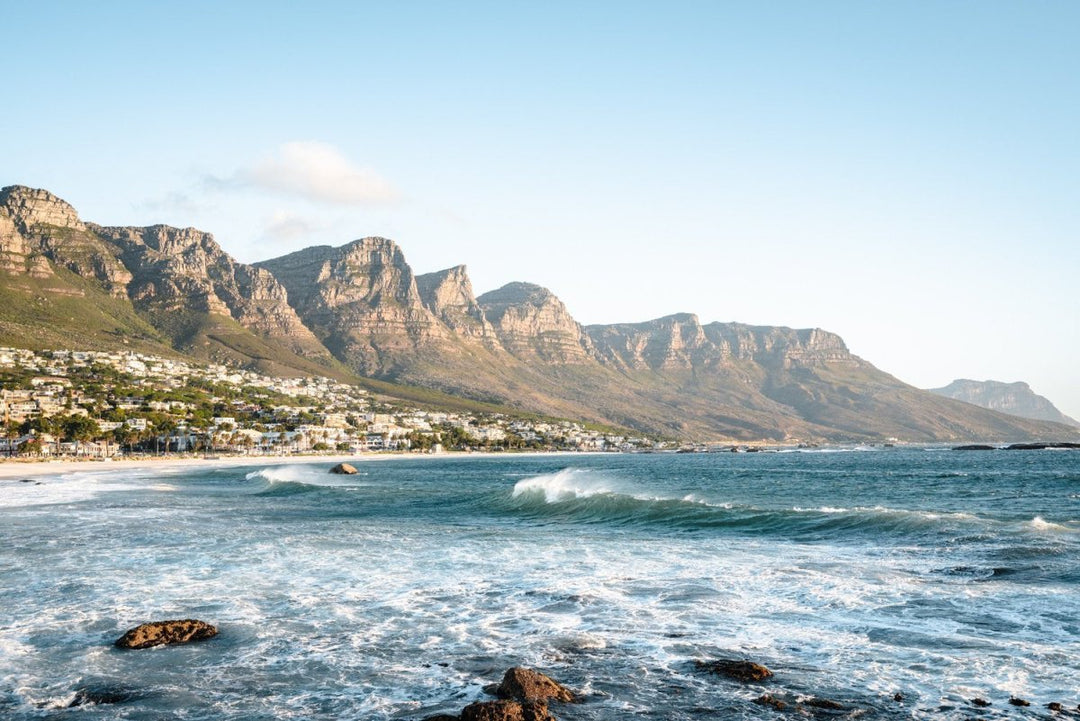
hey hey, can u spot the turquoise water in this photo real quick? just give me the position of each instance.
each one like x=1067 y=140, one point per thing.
x=401 y=592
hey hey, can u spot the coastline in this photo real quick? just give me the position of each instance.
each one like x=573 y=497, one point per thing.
x=20 y=468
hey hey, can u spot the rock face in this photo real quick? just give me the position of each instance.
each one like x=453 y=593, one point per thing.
x=165 y=633
x=1016 y=399
x=680 y=342
x=37 y=227
x=532 y=324
x=524 y=684
x=179 y=270
x=448 y=294
x=361 y=299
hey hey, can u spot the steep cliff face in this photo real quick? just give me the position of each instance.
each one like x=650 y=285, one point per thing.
x=531 y=323
x=35 y=225
x=1016 y=399
x=361 y=299
x=180 y=271
x=448 y=295
x=681 y=342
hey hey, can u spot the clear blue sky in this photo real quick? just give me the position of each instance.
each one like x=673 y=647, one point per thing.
x=906 y=174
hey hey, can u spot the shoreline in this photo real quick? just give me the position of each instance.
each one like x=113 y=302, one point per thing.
x=21 y=468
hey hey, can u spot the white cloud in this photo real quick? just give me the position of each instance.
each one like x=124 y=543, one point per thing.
x=318 y=171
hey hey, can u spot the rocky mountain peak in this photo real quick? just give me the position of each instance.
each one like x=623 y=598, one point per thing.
x=531 y=321
x=448 y=294
x=31 y=207
x=1016 y=399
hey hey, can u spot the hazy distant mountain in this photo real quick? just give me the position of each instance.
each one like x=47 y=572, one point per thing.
x=1016 y=399
x=358 y=310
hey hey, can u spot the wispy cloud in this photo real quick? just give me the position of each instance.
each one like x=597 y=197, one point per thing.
x=314 y=171
x=284 y=226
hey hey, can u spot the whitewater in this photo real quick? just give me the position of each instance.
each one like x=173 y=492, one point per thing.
x=897 y=583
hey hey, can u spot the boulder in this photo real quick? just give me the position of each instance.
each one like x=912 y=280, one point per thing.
x=344 y=469
x=506 y=711
x=1019 y=701
x=165 y=633
x=525 y=684
x=980 y=702
x=745 y=671
x=99 y=695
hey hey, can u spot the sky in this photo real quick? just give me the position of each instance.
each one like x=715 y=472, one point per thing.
x=905 y=174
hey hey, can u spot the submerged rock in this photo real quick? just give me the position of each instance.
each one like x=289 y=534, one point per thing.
x=1014 y=701
x=745 y=671
x=1055 y=706
x=975 y=447
x=100 y=695
x=525 y=684
x=770 y=701
x=344 y=469
x=504 y=710
x=980 y=702
x=166 y=633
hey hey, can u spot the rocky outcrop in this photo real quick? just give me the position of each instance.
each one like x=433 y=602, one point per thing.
x=1016 y=399
x=166 y=633
x=448 y=294
x=744 y=671
x=35 y=225
x=361 y=299
x=525 y=684
x=343 y=469
x=506 y=711
x=531 y=323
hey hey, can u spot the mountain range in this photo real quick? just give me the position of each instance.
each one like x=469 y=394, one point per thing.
x=358 y=312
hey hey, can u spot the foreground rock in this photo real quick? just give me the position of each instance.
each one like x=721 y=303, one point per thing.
x=525 y=684
x=506 y=711
x=344 y=469
x=744 y=671
x=166 y=633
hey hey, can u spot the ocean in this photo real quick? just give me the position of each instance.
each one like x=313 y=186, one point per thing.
x=400 y=592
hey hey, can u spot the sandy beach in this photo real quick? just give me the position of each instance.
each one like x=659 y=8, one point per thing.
x=22 y=468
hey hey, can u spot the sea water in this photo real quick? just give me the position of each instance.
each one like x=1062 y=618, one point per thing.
x=402 y=591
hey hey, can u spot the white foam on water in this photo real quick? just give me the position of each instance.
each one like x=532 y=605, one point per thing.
x=565 y=485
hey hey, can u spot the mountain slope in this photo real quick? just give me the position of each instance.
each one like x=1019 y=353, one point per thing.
x=1015 y=399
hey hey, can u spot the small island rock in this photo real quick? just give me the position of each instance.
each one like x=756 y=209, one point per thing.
x=344 y=469
x=525 y=684
x=164 y=633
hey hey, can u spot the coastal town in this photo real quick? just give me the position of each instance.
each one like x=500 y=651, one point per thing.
x=102 y=405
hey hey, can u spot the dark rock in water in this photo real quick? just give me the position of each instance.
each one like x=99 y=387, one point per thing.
x=163 y=633
x=1042 y=446
x=442 y=717
x=745 y=671
x=1055 y=706
x=99 y=695
x=975 y=447
x=506 y=711
x=980 y=702
x=344 y=469
x=1019 y=701
x=524 y=684
x=770 y=701
x=824 y=704
x=898 y=697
